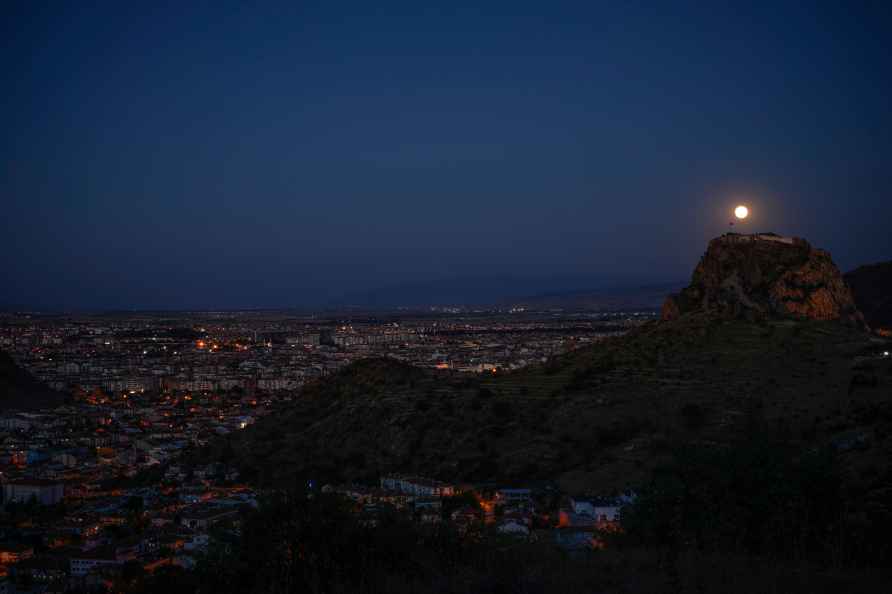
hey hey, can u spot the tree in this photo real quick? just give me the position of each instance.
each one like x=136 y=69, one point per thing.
x=755 y=497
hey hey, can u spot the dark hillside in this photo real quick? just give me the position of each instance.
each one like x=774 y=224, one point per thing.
x=872 y=288
x=20 y=391
x=598 y=418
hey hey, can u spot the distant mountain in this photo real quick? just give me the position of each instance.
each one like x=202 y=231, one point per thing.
x=576 y=293
x=19 y=390
x=609 y=299
x=872 y=288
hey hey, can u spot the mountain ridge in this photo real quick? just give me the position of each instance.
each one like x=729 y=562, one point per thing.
x=579 y=292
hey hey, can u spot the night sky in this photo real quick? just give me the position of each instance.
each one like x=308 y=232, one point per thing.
x=171 y=157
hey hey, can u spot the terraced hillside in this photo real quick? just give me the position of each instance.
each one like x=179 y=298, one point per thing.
x=598 y=418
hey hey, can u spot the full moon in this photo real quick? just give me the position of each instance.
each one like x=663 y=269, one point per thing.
x=741 y=212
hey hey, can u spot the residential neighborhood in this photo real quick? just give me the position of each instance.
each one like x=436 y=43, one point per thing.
x=102 y=483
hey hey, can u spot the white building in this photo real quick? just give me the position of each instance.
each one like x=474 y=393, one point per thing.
x=514 y=527
x=45 y=492
x=601 y=509
x=514 y=495
x=86 y=562
x=414 y=485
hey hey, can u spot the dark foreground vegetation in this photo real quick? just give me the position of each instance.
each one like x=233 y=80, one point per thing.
x=754 y=516
x=764 y=500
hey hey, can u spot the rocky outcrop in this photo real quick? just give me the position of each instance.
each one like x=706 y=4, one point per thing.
x=765 y=276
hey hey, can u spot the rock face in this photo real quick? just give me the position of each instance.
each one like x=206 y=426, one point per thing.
x=765 y=276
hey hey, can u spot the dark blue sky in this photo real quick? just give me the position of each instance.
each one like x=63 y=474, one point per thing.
x=171 y=156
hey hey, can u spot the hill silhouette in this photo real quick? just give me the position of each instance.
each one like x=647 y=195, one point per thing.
x=19 y=390
x=872 y=288
x=596 y=419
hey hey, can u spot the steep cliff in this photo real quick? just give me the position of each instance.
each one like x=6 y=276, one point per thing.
x=765 y=276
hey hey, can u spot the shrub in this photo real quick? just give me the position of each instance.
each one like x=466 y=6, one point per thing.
x=693 y=415
x=502 y=409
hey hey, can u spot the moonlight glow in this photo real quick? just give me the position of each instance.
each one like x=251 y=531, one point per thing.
x=741 y=212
